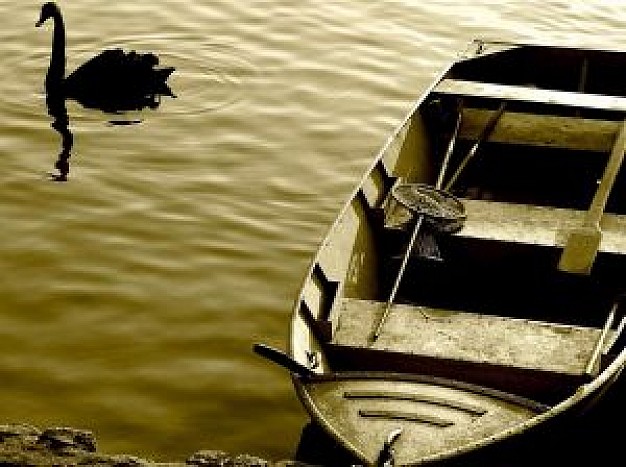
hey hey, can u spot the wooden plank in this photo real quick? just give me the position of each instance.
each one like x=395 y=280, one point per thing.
x=538 y=384
x=536 y=225
x=542 y=130
x=530 y=94
x=406 y=416
x=468 y=336
x=413 y=397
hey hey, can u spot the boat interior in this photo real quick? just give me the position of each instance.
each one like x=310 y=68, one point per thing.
x=486 y=304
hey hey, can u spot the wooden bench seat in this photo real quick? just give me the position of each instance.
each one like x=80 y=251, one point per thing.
x=523 y=224
x=536 y=225
x=533 y=358
x=469 y=336
x=550 y=131
x=530 y=94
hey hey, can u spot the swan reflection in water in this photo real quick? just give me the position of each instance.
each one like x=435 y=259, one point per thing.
x=114 y=81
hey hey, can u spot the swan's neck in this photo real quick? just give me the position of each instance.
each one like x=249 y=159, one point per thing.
x=56 y=70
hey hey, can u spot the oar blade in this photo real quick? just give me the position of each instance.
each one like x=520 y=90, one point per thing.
x=583 y=243
x=580 y=250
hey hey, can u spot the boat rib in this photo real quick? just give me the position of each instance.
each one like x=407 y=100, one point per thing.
x=403 y=396
x=406 y=416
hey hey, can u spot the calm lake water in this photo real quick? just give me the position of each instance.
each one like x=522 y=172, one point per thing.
x=131 y=294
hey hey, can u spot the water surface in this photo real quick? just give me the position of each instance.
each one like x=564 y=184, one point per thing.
x=132 y=293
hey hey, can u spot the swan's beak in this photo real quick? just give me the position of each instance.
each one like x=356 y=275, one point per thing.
x=38 y=23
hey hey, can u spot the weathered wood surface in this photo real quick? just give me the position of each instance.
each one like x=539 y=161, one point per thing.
x=434 y=417
x=542 y=130
x=530 y=94
x=583 y=242
x=536 y=225
x=522 y=223
x=467 y=336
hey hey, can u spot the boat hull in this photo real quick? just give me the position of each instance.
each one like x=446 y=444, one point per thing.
x=425 y=344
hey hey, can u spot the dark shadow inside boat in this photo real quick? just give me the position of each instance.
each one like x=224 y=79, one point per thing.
x=560 y=68
x=544 y=176
x=317 y=447
x=484 y=277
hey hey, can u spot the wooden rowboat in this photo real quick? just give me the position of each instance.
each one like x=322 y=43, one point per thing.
x=468 y=293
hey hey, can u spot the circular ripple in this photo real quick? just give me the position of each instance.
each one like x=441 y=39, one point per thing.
x=209 y=76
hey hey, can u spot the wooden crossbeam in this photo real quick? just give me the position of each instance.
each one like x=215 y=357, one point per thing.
x=508 y=92
x=542 y=130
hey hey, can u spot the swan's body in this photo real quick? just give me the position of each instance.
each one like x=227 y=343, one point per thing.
x=114 y=80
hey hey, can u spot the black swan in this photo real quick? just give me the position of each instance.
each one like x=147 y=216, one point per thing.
x=112 y=81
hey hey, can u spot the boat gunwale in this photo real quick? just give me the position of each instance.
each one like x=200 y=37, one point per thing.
x=431 y=380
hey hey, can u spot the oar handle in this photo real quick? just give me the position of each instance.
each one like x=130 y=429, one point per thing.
x=281 y=358
x=396 y=284
x=484 y=136
x=450 y=149
x=417 y=227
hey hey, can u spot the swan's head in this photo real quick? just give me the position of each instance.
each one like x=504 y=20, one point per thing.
x=48 y=10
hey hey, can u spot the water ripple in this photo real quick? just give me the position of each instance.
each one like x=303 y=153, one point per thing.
x=143 y=281
x=209 y=75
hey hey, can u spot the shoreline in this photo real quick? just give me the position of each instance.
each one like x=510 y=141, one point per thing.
x=27 y=445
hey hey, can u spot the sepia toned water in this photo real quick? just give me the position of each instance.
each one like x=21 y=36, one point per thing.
x=131 y=295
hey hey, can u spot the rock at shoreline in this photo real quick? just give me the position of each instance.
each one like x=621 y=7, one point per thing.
x=26 y=445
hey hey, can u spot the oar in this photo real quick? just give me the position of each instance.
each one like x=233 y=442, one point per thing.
x=491 y=124
x=281 y=358
x=583 y=243
x=484 y=136
x=416 y=229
